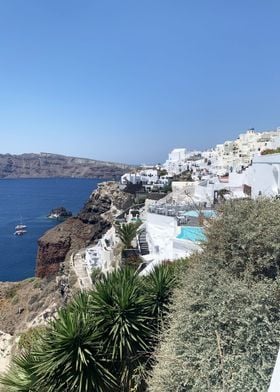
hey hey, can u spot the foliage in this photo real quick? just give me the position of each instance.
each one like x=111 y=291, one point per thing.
x=122 y=317
x=96 y=275
x=29 y=338
x=184 y=176
x=244 y=239
x=127 y=233
x=158 y=288
x=119 y=312
x=21 y=376
x=11 y=291
x=70 y=356
x=224 y=335
x=162 y=172
x=224 y=327
x=102 y=341
x=269 y=151
x=133 y=261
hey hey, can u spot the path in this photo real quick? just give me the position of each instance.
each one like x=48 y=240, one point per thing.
x=79 y=266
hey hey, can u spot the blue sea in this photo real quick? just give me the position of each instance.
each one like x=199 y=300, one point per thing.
x=30 y=200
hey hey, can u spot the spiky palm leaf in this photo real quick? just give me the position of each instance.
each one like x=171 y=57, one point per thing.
x=127 y=233
x=20 y=376
x=80 y=305
x=158 y=287
x=121 y=315
x=70 y=357
x=120 y=312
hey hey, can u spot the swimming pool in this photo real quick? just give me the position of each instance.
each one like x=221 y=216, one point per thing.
x=192 y=233
x=196 y=213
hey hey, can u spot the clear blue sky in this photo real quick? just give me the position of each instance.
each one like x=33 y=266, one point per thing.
x=128 y=80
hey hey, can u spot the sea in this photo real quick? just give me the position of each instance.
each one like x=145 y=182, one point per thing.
x=29 y=201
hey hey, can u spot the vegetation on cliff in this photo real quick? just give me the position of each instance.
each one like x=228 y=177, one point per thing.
x=269 y=151
x=224 y=326
x=220 y=332
x=102 y=341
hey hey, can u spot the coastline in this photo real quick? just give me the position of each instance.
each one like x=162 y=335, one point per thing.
x=31 y=302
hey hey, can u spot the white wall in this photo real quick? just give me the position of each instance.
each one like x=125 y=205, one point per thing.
x=264 y=176
x=182 y=189
x=161 y=231
x=275 y=381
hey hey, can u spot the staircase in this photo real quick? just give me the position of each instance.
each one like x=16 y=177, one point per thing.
x=143 y=244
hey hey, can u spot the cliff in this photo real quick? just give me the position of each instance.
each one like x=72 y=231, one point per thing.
x=34 y=301
x=95 y=218
x=46 y=165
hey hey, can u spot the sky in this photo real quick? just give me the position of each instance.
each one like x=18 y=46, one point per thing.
x=129 y=80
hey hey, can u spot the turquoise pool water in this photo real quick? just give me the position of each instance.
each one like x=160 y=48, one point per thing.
x=206 y=213
x=192 y=233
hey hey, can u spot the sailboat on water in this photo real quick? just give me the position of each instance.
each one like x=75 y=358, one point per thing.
x=20 y=229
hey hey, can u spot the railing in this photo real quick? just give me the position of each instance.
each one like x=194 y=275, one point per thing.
x=175 y=210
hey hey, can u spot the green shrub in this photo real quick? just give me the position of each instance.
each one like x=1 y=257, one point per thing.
x=96 y=275
x=269 y=151
x=11 y=291
x=15 y=299
x=29 y=339
x=102 y=341
x=245 y=238
x=224 y=327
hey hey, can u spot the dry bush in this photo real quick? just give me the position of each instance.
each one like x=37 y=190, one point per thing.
x=224 y=329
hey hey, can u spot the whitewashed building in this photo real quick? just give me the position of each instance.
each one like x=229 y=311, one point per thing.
x=101 y=255
x=176 y=161
x=237 y=154
x=144 y=176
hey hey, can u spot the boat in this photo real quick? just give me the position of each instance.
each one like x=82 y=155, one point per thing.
x=20 y=232
x=20 y=229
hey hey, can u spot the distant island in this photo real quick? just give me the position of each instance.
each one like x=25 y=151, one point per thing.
x=46 y=165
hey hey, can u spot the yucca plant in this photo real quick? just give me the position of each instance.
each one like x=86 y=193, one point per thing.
x=101 y=342
x=158 y=286
x=80 y=305
x=121 y=315
x=20 y=376
x=70 y=357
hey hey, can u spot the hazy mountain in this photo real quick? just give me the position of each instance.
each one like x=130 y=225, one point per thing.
x=52 y=165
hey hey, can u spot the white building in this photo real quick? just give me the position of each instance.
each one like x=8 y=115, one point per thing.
x=101 y=255
x=176 y=161
x=144 y=176
x=161 y=235
x=237 y=154
x=261 y=178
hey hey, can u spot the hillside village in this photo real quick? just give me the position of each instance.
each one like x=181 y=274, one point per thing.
x=175 y=200
x=170 y=207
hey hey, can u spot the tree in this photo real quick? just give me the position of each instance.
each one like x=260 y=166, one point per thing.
x=127 y=233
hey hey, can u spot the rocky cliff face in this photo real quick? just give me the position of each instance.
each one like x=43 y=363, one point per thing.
x=75 y=233
x=45 y=165
x=32 y=302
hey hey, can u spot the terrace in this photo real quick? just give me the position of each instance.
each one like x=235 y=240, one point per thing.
x=185 y=214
